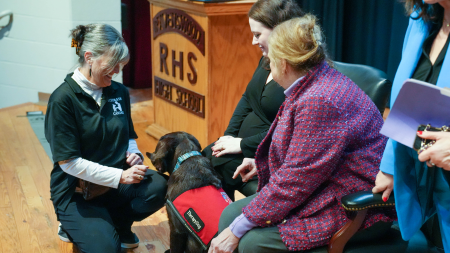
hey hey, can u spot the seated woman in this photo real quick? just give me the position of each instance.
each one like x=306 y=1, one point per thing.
x=89 y=128
x=259 y=104
x=323 y=145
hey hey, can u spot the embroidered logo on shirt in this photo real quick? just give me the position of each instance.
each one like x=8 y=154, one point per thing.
x=193 y=219
x=116 y=105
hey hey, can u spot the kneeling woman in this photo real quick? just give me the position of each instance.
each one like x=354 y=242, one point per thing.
x=323 y=145
x=88 y=125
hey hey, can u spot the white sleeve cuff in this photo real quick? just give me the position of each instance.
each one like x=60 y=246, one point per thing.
x=93 y=172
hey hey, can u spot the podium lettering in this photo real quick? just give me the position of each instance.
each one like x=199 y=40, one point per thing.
x=163 y=51
x=185 y=99
x=179 y=64
x=193 y=79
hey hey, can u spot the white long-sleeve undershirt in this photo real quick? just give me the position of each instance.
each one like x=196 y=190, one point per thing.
x=96 y=173
x=88 y=170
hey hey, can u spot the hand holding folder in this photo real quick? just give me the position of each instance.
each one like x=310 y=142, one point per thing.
x=418 y=103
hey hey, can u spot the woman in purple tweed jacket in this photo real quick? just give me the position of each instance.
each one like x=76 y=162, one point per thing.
x=323 y=145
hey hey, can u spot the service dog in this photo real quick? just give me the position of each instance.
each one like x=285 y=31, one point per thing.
x=178 y=154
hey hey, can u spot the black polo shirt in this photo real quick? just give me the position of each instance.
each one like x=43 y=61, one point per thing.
x=75 y=126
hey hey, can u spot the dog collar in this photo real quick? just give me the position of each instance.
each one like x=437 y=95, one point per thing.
x=183 y=158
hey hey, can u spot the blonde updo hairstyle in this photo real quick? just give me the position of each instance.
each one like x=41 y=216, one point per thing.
x=300 y=42
x=100 y=40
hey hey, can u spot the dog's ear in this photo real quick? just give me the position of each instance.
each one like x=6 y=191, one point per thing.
x=194 y=140
x=155 y=161
x=150 y=156
x=164 y=152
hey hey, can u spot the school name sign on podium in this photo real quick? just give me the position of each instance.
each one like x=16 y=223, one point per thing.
x=202 y=60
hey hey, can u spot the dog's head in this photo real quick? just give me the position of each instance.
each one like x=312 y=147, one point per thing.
x=170 y=147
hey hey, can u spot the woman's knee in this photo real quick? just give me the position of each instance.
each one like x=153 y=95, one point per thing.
x=262 y=240
x=232 y=211
x=155 y=189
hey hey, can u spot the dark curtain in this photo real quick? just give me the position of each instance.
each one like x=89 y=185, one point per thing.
x=368 y=32
x=136 y=32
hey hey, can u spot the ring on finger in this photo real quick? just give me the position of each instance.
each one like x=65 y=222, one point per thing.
x=430 y=163
x=140 y=177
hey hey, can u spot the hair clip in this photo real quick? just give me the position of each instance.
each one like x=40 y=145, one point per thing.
x=76 y=45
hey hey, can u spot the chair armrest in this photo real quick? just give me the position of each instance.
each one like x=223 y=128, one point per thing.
x=364 y=200
x=359 y=203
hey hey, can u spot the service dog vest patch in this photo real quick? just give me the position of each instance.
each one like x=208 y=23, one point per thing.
x=199 y=210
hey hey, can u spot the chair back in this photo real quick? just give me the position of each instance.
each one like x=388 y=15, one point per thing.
x=372 y=81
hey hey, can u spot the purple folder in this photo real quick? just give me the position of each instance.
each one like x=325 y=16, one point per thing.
x=417 y=103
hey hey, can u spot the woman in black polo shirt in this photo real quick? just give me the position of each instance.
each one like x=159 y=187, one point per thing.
x=90 y=131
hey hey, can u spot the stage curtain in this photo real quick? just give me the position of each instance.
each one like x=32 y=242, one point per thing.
x=368 y=32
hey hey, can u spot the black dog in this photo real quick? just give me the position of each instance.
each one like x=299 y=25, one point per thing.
x=194 y=172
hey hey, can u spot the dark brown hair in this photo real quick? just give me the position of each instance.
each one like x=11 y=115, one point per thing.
x=428 y=12
x=274 y=12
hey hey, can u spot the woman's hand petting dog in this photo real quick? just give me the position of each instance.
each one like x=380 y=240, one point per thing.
x=247 y=169
x=133 y=175
x=133 y=159
x=225 y=242
x=226 y=145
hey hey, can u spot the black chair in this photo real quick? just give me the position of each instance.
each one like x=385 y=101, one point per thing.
x=375 y=84
x=372 y=81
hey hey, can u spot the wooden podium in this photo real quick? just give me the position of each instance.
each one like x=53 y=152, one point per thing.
x=203 y=59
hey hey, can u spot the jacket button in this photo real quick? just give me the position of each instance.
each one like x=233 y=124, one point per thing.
x=268 y=222
x=284 y=221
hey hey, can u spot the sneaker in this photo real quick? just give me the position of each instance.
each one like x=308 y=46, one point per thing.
x=62 y=234
x=128 y=240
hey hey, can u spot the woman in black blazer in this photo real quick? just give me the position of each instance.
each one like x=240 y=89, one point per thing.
x=259 y=104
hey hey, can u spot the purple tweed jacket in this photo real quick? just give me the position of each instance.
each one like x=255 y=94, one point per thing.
x=324 y=144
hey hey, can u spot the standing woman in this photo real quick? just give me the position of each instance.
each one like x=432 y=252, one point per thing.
x=88 y=125
x=324 y=144
x=420 y=191
x=259 y=104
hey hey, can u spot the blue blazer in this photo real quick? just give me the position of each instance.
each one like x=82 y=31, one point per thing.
x=401 y=161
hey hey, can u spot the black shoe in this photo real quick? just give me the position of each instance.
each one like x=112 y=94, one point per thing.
x=128 y=240
x=62 y=234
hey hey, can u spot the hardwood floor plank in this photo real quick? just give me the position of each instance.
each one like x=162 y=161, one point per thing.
x=42 y=221
x=65 y=247
x=22 y=215
x=11 y=153
x=36 y=159
x=9 y=236
x=4 y=197
x=148 y=247
x=158 y=224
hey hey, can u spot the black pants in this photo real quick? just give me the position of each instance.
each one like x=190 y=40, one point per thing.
x=226 y=166
x=93 y=225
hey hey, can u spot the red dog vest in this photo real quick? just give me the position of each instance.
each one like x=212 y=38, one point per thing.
x=199 y=210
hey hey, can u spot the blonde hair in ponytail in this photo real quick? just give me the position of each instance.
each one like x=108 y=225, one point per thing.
x=300 y=42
